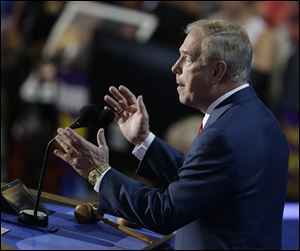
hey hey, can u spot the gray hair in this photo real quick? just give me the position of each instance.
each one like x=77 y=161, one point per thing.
x=226 y=41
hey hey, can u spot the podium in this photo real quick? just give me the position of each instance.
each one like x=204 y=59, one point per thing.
x=65 y=233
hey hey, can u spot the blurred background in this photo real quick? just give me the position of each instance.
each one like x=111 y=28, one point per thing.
x=60 y=55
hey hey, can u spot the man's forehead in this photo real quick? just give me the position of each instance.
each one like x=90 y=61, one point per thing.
x=192 y=42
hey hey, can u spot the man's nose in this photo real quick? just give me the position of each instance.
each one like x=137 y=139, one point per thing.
x=176 y=69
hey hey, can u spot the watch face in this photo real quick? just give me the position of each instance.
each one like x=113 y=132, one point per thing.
x=93 y=176
x=96 y=173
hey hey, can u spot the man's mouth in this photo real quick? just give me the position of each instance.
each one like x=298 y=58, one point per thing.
x=180 y=86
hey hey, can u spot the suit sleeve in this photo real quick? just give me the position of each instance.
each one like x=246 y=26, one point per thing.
x=205 y=181
x=160 y=163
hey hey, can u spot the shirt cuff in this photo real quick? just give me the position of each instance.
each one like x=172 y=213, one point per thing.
x=140 y=150
x=98 y=182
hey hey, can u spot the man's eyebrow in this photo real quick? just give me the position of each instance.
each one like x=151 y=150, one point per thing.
x=186 y=52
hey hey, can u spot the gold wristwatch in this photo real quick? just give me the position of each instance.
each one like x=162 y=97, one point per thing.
x=96 y=173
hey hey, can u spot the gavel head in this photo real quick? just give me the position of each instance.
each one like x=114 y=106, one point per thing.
x=86 y=213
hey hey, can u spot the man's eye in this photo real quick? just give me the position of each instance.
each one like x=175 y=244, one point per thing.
x=187 y=60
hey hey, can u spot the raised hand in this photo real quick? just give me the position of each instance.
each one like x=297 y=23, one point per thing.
x=82 y=155
x=130 y=114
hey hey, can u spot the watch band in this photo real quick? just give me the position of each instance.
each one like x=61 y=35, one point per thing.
x=96 y=173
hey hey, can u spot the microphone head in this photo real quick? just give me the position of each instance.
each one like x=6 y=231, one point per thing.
x=106 y=117
x=88 y=115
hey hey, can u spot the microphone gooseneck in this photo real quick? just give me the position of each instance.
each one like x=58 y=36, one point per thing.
x=37 y=218
x=88 y=115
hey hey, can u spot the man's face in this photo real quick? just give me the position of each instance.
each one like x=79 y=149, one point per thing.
x=192 y=77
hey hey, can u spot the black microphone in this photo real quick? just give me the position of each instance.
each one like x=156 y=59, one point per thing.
x=106 y=117
x=88 y=115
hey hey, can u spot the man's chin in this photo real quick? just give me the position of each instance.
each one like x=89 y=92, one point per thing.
x=186 y=102
x=183 y=100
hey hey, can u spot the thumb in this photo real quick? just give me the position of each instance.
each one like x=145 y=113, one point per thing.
x=141 y=106
x=101 y=138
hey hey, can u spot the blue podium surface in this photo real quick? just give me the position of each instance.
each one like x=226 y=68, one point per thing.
x=64 y=232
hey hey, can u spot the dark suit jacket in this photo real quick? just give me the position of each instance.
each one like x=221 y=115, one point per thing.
x=227 y=192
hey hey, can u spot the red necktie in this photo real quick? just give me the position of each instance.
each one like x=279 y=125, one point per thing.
x=200 y=129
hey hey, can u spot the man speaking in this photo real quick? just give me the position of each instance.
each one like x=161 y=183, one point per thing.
x=228 y=191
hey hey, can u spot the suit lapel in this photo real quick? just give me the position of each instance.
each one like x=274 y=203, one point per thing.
x=216 y=113
x=238 y=97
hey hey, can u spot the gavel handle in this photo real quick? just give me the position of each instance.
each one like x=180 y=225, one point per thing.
x=127 y=230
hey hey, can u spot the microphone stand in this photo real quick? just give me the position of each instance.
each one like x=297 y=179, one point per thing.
x=38 y=218
x=35 y=217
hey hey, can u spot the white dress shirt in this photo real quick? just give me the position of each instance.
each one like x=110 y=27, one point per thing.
x=140 y=150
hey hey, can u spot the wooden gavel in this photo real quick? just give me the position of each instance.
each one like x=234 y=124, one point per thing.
x=87 y=213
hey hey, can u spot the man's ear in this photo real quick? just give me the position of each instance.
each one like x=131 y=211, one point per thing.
x=219 y=71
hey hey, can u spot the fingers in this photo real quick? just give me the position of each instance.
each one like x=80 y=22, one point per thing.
x=64 y=156
x=127 y=94
x=72 y=135
x=67 y=147
x=101 y=138
x=114 y=104
x=118 y=96
x=141 y=106
x=123 y=99
x=119 y=102
x=68 y=141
